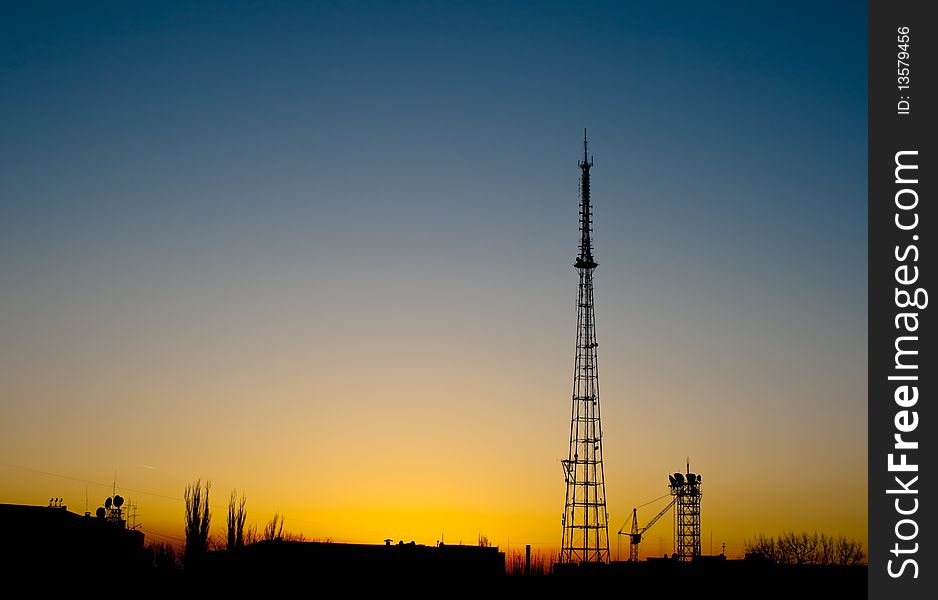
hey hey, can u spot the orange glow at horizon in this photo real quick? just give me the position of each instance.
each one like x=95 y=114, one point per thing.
x=361 y=452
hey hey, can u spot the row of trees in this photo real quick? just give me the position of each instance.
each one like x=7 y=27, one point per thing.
x=807 y=549
x=199 y=519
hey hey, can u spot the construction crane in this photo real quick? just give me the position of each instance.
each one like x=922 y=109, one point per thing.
x=635 y=535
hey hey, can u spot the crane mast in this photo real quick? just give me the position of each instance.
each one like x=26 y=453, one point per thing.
x=636 y=533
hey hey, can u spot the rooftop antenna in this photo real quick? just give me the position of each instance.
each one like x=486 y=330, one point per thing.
x=132 y=513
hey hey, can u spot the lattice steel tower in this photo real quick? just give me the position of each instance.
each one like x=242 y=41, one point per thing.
x=585 y=528
x=686 y=490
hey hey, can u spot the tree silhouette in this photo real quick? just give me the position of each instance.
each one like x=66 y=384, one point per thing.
x=799 y=548
x=163 y=558
x=848 y=552
x=237 y=515
x=251 y=537
x=274 y=528
x=198 y=520
x=804 y=548
x=763 y=546
x=827 y=550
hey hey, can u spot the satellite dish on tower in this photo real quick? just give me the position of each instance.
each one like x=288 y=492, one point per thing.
x=672 y=479
x=698 y=477
x=118 y=500
x=107 y=503
x=691 y=478
x=100 y=512
x=679 y=478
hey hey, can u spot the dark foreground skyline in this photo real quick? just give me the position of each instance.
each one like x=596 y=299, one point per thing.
x=49 y=548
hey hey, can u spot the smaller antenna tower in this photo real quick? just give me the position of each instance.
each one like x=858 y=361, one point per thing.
x=685 y=487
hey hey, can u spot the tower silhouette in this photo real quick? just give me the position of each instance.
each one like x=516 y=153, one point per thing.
x=585 y=528
x=686 y=490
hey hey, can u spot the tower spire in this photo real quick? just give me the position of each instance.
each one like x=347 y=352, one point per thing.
x=585 y=258
x=584 y=145
x=585 y=522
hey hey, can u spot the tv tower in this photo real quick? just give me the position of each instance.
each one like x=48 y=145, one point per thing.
x=585 y=528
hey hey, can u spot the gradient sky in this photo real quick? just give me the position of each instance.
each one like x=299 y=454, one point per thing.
x=321 y=252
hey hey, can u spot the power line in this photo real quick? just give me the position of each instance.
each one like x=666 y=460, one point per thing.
x=163 y=535
x=89 y=481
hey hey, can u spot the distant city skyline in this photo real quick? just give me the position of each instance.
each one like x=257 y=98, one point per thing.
x=322 y=253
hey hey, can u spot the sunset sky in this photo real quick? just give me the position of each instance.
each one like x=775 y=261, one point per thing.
x=321 y=252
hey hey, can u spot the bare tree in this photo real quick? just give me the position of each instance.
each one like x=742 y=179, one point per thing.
x=163 y=558
x=198 y=521
x=826 y=550
x=251 y=536
x=848 y=552
x=804 y=548
x=799 y=548
x=274 y=528
x=762 y=545
x=237 y=515
x=784 y=548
